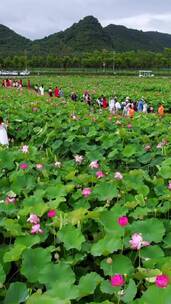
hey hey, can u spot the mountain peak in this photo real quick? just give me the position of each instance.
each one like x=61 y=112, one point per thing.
x=87 y=35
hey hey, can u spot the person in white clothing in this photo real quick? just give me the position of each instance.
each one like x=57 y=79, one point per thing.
x=112 y=105
x=41 y=90
x=145 y=107
x=117 y=106
x=3 y=133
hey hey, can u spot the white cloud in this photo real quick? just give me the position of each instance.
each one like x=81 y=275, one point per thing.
x=145 y=22
x=38 y=18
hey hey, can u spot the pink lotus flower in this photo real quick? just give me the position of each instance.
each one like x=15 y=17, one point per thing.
x=162 y=281
x=118 y=176
x=160 y=146
x=10 y=200
x=100 y=174
x=123 y=221
x=169 y=186
x=79 y=159
x=39 y=166
x=94 y=164
x=52 y=213
x=137 y=241
x=86 y=192
x=23 y=166
x=147 y=148
x=33 y=219
x=129 y=126
x=58 y=164
x=117 y=280
x=25 y=149
x=36 y=229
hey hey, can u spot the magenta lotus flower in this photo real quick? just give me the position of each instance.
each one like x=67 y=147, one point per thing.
x=79 y=159
x=86 y=192
x=23 y=166
x=162 y=281
x=117 y=280
x=94 y=164
x=137 y=241
x=36 y=229
x=100 y=174
x=58 y=164
x=25 y=149
x=169 y=186
x=33 y=219
x=39 y=166
x=118 y=176
x=52 y=213
x=123 y=221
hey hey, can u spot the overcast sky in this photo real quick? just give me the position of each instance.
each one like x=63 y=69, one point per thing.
x=39 y=18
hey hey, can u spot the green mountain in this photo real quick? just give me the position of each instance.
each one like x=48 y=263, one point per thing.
x=85 y=36
x=11 y=42
x=124 y=39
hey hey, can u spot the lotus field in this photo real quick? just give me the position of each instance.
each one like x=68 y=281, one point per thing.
x=85 y=197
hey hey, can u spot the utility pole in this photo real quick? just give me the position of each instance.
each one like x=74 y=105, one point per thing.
x=25 y=55
x=114 y=61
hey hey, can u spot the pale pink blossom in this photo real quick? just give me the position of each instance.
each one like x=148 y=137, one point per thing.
x=36 y=229
x=118 y=176
x=86 y=192
x=129 y=126
x=160 y=146
x=123 y=221
x=10 y=200
x=79 y=159
x=169 y=186
x=117 y=280
x=137 y=241
x=162 y=281
x=39 y=166
x=147 y=148
x=94 y=164
x=33 y=219
x=163 y=143
x=52 y=213
x=25 y=149
x=100 y=174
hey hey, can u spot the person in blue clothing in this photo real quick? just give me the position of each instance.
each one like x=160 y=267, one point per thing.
x=140 y=105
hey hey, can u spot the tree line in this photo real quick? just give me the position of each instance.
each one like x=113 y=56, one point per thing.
x=97 y=59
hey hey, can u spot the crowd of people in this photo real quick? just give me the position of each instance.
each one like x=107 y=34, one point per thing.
x=126 y=107
x=12 y=83
x=57 y=92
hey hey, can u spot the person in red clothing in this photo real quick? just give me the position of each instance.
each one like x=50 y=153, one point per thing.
x=104 y=103
x=56 y=92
